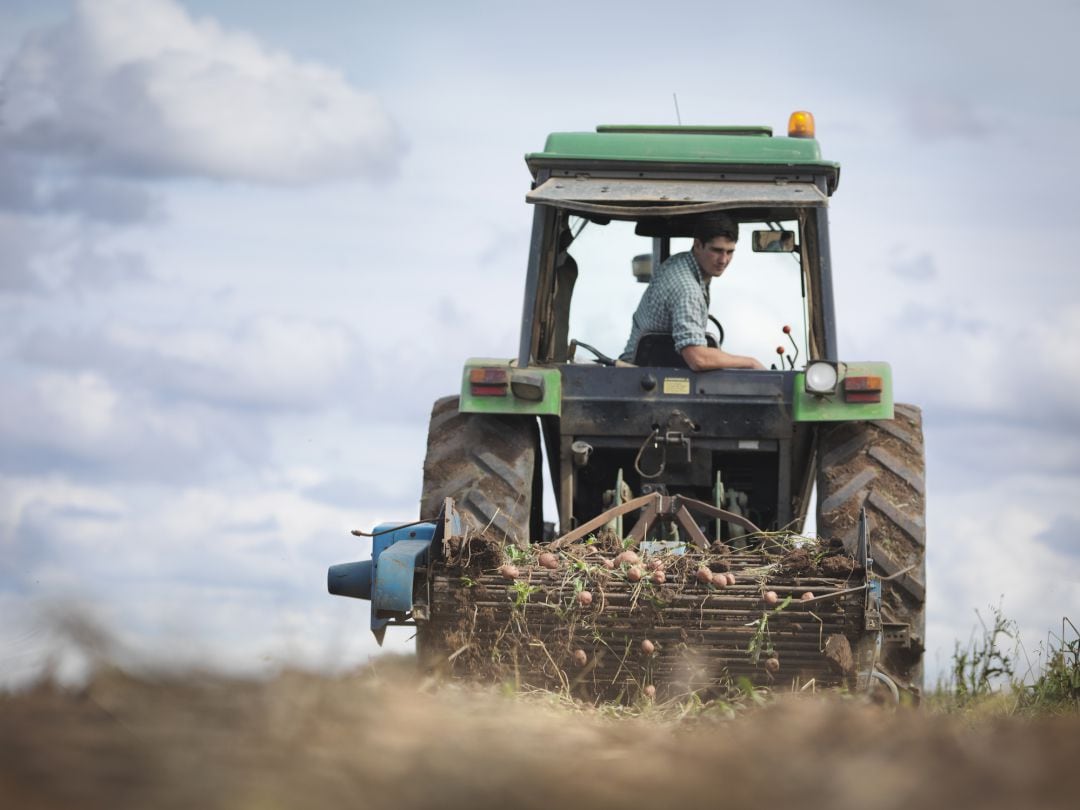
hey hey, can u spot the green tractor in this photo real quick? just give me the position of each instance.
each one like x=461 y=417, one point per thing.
x=692 y=472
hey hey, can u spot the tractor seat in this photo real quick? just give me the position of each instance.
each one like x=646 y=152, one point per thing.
x=658 y=349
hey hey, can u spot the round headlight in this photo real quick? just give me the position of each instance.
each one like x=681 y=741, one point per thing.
x=821 y=377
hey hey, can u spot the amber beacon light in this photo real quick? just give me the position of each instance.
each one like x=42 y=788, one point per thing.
x=800 y=125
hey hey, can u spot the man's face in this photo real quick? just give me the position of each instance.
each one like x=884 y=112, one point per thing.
x=715 y=255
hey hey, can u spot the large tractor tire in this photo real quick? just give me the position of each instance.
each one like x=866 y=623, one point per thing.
x=490 y=465
x=880 y=466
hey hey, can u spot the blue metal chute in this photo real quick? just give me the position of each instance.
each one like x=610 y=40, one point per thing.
x=388 y=578
x=393 y=591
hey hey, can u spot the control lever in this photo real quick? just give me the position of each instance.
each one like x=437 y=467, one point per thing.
x=791 y=360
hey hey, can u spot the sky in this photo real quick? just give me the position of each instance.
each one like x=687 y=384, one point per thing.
x=245 y=244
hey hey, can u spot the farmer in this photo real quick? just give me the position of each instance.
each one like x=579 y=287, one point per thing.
x=676 y=302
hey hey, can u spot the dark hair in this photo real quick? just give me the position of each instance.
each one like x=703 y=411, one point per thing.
x=710 y=226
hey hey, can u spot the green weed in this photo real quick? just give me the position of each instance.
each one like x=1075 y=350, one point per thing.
x=983 y=666
x=993 y=674
x=1057 y=686
x=521 y=591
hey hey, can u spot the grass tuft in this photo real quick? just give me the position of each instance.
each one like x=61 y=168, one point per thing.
x=993 y=675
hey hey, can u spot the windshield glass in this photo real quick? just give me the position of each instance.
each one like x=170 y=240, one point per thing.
x=758 y=294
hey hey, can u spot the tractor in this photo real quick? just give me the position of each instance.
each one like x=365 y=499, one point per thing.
x=716 y=470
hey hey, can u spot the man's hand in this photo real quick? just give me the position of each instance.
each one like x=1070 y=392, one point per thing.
x=706 y=358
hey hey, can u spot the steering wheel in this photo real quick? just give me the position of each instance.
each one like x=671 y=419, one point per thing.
x=720 y=330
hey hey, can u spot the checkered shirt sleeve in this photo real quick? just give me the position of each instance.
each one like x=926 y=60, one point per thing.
x=674 y=302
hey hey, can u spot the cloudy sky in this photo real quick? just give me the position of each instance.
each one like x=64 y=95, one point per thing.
x=245 y=244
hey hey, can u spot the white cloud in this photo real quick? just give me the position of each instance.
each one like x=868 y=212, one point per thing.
x=141 y=87
x=972 y=365
x=40 y=258
x=19 y=247
x=915 y=268
x=231 y=577
x=986 y=549
x=126 y=402
x=265 y=363
x=20 y=497
x=83 y=404
x=103 y=199
x=88 y=425
x=269 y=362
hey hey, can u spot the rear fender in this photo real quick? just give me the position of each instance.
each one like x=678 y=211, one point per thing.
x=499 y=386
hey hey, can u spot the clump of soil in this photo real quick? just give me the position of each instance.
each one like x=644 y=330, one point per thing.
x=838 y=651
x=797 y=561
x=840 y=566
x=474 y=548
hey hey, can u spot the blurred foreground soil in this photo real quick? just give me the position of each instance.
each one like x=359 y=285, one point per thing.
x=382 y=739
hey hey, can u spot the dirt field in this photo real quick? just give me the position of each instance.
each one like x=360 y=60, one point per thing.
x=381 y=738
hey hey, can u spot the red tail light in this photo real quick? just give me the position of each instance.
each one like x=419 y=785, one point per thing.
x=489 y=382
x=862 y=389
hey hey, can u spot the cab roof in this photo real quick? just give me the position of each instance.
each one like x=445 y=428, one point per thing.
x=701 y=149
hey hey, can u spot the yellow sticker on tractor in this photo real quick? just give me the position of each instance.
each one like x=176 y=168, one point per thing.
x=676 y=385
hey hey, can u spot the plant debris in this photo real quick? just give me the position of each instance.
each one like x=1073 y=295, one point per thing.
x=600 y=620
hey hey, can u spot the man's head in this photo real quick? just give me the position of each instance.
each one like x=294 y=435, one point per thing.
x=715 y=236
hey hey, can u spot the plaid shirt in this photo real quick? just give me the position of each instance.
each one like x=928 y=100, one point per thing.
x=675 y=302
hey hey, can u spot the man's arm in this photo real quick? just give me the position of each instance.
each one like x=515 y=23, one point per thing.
x=706 y=358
